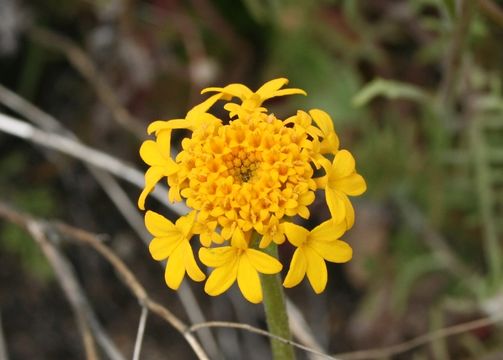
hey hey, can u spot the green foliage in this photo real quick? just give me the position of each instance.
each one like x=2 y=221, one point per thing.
x=389 y=89
x=331 y=84
x=36 y=200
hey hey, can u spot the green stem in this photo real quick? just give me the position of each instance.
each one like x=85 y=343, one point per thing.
x=275 y=310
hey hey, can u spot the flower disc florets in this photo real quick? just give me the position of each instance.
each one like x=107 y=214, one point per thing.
x=251 y=174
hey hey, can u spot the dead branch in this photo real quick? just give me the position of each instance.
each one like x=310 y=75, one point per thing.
x=87 y=154
x=3 y=343
x=255 y=330
x=118 y=196
x=141 y=332
x=85 y=66
x=84 y=237
x=386 y=352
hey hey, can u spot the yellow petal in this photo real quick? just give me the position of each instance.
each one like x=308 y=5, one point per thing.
x=161 y=125
x=330 y=144
x=249 y=281
x=343 y=165
x=217 y=257
x=328 y=231
x=353 y=184
x=164 y=143
x=151 y=154
x=350 y=213
x=296 y=234
x=336 y=204
x=190 y=263
x=264 y=263
x=267 y=90
x=238 y=239
x=205 y=105
x=336 y=251
x=291 y=91
x=185 y=223
x=265 y=241
x=159 y=226
x=221 y=279
x=162 y=248
x=297 y=270
x=158 y=125
x=175 y=269
x=152 y=177
x=323 y=120
x=237 y=90
x=303 y=212
x=316 y=270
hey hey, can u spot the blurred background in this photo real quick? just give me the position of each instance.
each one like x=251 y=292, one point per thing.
x=415 y=92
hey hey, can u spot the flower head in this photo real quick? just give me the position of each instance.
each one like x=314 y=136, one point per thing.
x=251 y=173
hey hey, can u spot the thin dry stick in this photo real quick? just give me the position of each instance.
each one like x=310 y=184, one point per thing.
x=135 y=287
x=131 y=282
x=3 y=343
x=99 y=159
x=84 y=237
x=386 y=352
x=255 y=330
x=106 y=181
x=141 y=332
x=68 y=281
x=492 y=10
x=88 y=70
x=118 y=197
x=300 y=328
x=454 y=57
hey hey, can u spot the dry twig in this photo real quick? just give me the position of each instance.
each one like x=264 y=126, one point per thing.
x=139 y=292
x=454 y=58
x=492 y=10
x=386 y=352
x=88 y=70
x=68 y=281
x=3 y=343
x=141 y=332
x=118 y=196
x=99 y=159
x=84 y=237
x=255 y=330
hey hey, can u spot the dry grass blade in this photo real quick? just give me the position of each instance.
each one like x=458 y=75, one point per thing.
x=68 y=281
x=386 y=352
x=74 y=148
x=3 y=343
x=141 y=333
x=255 y=330
x=128 y=278
x=118 y=196
x=87 y=69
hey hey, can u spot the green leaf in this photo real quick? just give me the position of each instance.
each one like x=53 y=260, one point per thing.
x=388 y=88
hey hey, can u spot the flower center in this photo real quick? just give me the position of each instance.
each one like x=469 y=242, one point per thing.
x=241 y=165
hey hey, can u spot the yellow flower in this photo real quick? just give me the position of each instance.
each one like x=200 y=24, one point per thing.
x=171 y=241
x=342 y=180
x=313 y=248
x=250 y=173
x=239 y=262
